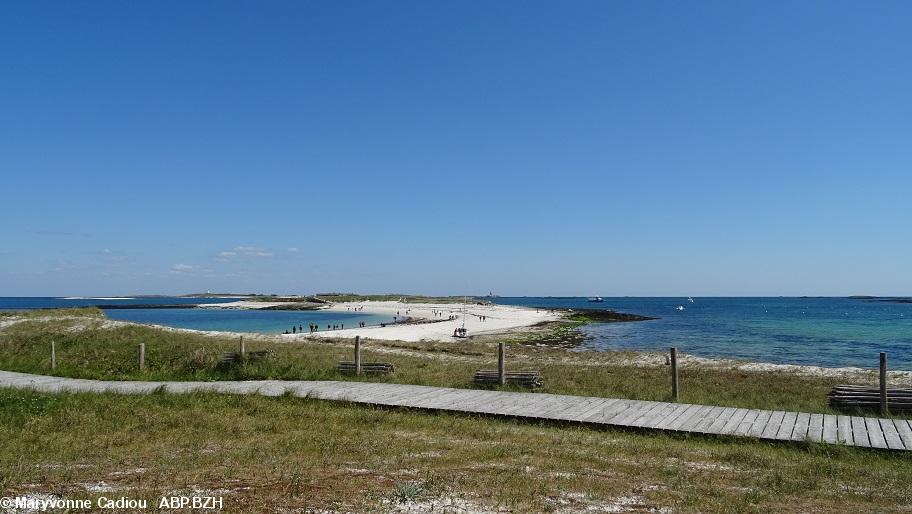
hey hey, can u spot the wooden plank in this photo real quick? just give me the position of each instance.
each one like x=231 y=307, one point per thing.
x=732 y=424
x=602 y=412
x=815 y=428
x=844 y=430
x=657 y=417
x=800 y=430
x=905 y=432
x=787 y=426
x=720 y=420
x=619 y=411
x=648 y=414
x=875 y=433
x=698 y=414
x=829 y=432
x=746 y=423
x=772 y=426
x=636 y=410
x=703 y=425
x=682 y=416
x=672 y=416
x=859 y=432
x=564 y=404
x=760 y=423
x=891 y=435
x=574 y=410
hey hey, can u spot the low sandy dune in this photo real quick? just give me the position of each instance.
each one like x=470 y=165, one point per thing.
x=437 y=327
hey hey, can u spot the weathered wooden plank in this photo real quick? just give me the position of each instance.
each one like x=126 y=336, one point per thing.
x=673 y=416
x=904 y=429
x=760 y=423
x=692 y=420
x=745 y=425
x=702 y=425
x=732 y=424
x=636 y=410
x=772 y=426
x=828 y=433
x=657 y=417
x=720 y=420
x=844 y=430
x=647 y=414
x=574 y=409
x=683 y=416
x=875 y=433
x=815 y=428
x=787 y=426
x=800 y=430
x=894 y=442
x=859 y=432
x=604 y=412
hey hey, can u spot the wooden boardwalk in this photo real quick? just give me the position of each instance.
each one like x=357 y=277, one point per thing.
x=891 y=434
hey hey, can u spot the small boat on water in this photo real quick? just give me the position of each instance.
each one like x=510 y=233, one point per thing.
x=595 y=299
x=679 y=308
x=689 y=299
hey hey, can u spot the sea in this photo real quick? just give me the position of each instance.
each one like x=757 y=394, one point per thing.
x=829 y=332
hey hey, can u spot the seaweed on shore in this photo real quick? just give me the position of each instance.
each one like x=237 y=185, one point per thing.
x=604 y=316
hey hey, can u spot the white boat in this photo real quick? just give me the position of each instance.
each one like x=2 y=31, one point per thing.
x=679 y=307
x=595 y=299
x=689 y=299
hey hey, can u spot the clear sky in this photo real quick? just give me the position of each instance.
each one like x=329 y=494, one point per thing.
x=529 y=148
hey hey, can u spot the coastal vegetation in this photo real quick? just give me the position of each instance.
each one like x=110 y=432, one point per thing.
x=334 y=457
x=326 y=456
x=90 y=346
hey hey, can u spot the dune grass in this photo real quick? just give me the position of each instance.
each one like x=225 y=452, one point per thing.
x=287 y=454
x=88 y=347
x=290 y=454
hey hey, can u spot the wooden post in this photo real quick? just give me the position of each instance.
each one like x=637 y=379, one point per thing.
x=142 y=356
x=357 y=355
x=884 y=408
x=501 y=366
x=53 y=356
x=241 y=347
x=674 y=373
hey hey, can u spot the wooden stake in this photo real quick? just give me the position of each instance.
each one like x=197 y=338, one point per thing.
x=357 y=355
x=53 y=356
x=241 y=346
x=142 y=356
x=884 y=408
x=674 y=373
x=501 y=366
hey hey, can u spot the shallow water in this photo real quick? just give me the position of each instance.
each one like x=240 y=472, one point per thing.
x=244 y=320
x=832 y=332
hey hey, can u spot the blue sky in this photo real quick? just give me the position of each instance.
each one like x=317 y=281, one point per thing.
x=529 y=148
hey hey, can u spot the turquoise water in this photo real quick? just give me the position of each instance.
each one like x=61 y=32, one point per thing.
x=830 y=332
x=229 y=320
x=240 y=320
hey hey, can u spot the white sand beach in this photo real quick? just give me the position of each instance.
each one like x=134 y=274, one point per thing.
x=426 y=325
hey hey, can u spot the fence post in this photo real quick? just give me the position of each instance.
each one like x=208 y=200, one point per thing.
x=884 y=408
x=142 y=356
x=501 y=366
x=357 y=355
x=241 y=347
x=53 y=356
x=674 y=373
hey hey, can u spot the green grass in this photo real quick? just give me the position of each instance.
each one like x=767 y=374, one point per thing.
x=87 y=349
x=284 y=453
